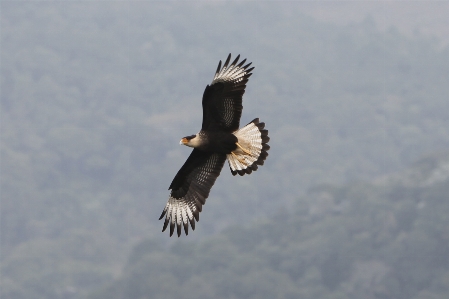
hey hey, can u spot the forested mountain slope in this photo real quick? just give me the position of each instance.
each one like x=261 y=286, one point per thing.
x=96 y=95
x=388 y=239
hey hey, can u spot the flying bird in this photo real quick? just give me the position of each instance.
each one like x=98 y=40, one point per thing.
x=219 y=139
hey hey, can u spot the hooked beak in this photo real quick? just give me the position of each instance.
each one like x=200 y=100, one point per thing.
x=183 y=141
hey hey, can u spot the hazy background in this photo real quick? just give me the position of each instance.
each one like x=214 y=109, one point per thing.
x=351 y=203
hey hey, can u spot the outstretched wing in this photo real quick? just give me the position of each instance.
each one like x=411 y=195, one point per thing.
x=190 y=188
x=222 y=99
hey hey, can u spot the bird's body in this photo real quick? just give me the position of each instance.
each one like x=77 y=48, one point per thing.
x=214 y=141
x=219 y=139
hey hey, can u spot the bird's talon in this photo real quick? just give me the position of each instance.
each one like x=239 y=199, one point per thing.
x=244 y=150
x=237 y=157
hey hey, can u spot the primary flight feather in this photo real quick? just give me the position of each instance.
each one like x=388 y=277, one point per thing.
x=219 y=139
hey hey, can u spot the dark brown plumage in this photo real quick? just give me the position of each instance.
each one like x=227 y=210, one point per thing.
x=219 y=139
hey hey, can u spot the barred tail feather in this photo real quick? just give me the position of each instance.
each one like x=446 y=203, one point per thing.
x=253 y=138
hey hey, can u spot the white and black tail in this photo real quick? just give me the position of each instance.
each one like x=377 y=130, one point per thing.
x=253 y=139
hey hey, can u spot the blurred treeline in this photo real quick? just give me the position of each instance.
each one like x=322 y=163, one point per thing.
x=387 y=239
x=96 y=95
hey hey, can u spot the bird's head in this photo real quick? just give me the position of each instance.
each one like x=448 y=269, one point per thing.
x=189 y=140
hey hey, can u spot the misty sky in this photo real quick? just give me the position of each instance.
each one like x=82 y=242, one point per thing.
x=410 y=17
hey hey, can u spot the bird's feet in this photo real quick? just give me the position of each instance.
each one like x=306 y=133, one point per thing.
x=243 y=149
x=239 y=159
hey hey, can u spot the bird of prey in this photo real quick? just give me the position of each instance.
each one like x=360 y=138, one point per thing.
x=219 y=139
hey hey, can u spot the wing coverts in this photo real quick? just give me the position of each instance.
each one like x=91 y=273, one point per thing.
x=222 y=100
x=190 y=188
